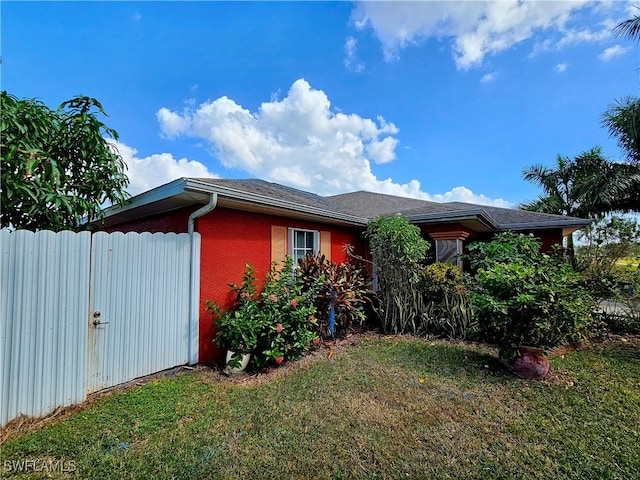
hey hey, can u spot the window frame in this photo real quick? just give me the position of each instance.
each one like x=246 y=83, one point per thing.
x=291 y=250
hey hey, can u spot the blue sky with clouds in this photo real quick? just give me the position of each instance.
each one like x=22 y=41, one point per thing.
x=446 y=101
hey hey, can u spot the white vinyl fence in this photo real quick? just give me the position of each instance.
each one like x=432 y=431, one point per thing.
x=81 y=312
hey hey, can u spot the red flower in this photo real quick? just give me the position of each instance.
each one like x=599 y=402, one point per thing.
x=279 y=328
x=294 y=303
x=279 y=360
x=316 y=340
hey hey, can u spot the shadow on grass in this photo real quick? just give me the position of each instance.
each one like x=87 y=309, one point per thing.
x=440 y=357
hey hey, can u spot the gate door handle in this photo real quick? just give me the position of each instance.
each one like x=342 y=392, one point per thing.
x=96 y=319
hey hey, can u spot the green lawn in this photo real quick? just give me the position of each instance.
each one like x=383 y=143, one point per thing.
x=383 y=408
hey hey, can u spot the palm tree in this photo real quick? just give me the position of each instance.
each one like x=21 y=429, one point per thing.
x=623 y=122
x=560 y=196
x=587 y=186
x=570 y=186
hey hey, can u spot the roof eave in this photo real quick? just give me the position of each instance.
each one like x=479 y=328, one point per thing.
x=569 y=223
x=190 y=191
x=479 y=215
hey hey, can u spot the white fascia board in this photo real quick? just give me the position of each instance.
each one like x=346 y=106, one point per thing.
x=151 y=196
x=574 y=224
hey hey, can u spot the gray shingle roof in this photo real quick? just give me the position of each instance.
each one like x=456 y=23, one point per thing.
x=272 y=190
x=372 y=205
x=506 y=217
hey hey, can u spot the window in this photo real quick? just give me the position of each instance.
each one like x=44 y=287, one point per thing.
x=302 y=242
x=449 y=251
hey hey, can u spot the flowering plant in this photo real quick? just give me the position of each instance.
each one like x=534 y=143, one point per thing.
x=288 y=317
x=274 y=325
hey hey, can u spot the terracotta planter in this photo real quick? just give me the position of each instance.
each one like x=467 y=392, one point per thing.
x=244 y=361
x=529 y=363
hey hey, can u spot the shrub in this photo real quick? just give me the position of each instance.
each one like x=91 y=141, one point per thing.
x=288 y=316
x=450 y=316
x=344 y=286
x=447 y=308
x=506 y=247
x=522 y=297
x=275 y=325
x=606 y=243
x=440 y=279
x=398 y=252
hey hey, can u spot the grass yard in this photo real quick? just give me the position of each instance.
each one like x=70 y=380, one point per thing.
x=381 y=408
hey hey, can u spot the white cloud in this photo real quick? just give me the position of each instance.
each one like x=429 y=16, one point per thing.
x=613 y=52
x=585 y=35
x=561 y=67
x=157 y=169
x=488 y=77
x=477 y=28
x=351 y=60
x=171 y=123
x=301 y=142
x=463 y=194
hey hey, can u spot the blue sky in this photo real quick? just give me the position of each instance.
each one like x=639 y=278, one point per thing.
x=446 y=101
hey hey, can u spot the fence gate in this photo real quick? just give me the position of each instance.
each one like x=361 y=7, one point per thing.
x=139 y=306
x=80 y=312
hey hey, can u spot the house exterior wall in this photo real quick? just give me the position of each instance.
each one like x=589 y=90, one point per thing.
x=229 y=240
x=232 y=238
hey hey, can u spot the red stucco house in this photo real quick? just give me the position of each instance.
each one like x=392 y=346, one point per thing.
x=257 y=222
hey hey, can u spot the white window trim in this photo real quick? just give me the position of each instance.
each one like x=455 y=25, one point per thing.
x=292 y=232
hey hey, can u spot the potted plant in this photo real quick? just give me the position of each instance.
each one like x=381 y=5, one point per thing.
x=237 y=332
x=238 y=327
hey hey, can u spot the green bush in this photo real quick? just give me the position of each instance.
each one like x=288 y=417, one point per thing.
x=274 y=325
x=238 y=327
x=506 y=247
x=523 y=297
x=447 y=310
x=439 y=279
x=607 y=256
x=451 y=316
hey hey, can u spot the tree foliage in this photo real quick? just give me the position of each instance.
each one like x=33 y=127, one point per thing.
x=585 y=186
x=623 y=122
x=630 y=28
x=57 y=165
x=607 y=241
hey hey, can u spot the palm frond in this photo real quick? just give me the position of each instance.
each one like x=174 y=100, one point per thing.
x=629 y=28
